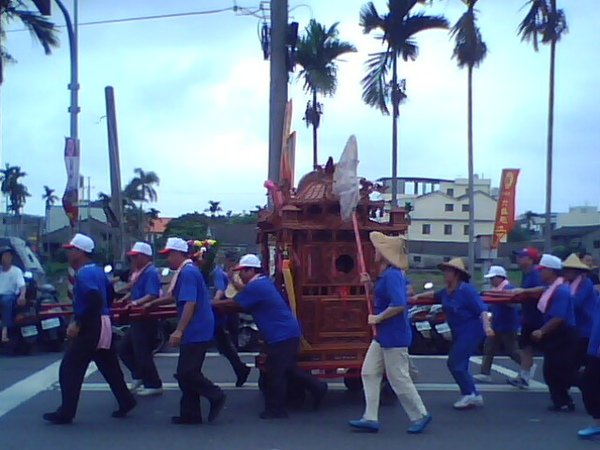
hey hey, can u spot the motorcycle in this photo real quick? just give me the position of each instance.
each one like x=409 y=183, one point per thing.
x=248 y=337
x=24 y=333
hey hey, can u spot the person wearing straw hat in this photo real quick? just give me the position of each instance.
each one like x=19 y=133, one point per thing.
x=136 y=347
x=505 y=323
x=557 y=336
x=584 y=302
x=90 y=336
x=388 y=351
x=281 y=332
x=469 y=323
x=594 y=274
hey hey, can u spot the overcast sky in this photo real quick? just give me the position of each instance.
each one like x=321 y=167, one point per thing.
x=192 y=104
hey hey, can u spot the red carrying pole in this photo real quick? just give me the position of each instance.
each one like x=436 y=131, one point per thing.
x=363 y=267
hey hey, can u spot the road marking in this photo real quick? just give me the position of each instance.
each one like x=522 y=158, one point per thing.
x=27 y=388
x=507 y=373
x=208 y=354
x=423 y=387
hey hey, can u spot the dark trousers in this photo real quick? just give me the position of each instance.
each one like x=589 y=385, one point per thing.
x=232 y=325
x=78 y=355
x=560 y=361
x=281 y=368
x=590 y=387
x=508 y=341
x=192 y=382
x=135 y=351
x=227 y=348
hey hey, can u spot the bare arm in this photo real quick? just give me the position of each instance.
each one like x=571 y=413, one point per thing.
x=145 y=299
x=388 y=313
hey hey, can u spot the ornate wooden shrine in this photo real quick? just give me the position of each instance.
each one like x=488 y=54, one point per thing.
x=309 y=236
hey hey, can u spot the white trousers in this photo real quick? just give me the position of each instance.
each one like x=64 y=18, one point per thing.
x=395 y=363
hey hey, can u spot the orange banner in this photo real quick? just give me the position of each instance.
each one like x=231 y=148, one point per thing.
x=505 y=214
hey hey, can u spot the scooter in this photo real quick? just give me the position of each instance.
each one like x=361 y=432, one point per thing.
x=52 y=331
x=24 y=333
x=248 y=337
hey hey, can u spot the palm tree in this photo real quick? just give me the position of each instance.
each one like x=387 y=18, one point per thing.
x=140 y=189
x=49 y=197
x=213 y=208
x=469 y=51
x=40 y=28
x=399 y=27
x=12 y=187
x=317 y=53
x=546 y=23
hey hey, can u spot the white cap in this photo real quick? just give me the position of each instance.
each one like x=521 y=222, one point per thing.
x=175 y=244
x=140 y=248
x=81 y=242
x=249 y=261
x=496 y=271
x=550 y=262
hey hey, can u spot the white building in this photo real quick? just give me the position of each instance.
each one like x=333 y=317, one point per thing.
x=579 y=216
x=57 y=219
x=441 y=208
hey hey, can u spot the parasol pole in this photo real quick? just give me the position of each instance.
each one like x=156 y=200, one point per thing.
x=363 y=267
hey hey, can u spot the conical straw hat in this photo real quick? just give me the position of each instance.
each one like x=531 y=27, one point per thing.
x=573 y=262
x=456 y=264
x=231 y=291
x=392 y=248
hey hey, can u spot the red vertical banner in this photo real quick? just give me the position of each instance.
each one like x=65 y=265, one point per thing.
x=505 y=213
x=70 y=198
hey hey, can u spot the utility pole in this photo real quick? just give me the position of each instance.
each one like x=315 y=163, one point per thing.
x=279 y=84
x=115 y=173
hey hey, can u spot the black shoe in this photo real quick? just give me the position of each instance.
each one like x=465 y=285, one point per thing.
x=181 y=420
x=57 y=418
x=216 y=407
x=569 y=407
x=267 y=415
x=243 y=376
x=319 y=396
x=123 y=411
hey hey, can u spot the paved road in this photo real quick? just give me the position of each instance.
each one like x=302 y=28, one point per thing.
x=510 y=419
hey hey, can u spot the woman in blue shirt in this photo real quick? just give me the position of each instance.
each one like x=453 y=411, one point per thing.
x=590 y=384
x=465 y=313
x=389 y=349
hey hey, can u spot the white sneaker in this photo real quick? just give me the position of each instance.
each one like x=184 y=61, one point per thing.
x=483 y=378
x=469 y=401
x=149 y=392
x=135 y=385
x=532 y=371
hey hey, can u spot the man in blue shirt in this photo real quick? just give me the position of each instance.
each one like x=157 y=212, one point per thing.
x=590 y=384
x=281 y=333
x=557 y=336
x=137 y=345
x=89 y=336
x=193 y=336
x=531 y=318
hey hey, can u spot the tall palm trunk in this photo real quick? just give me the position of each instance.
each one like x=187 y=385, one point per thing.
x=315 y=124
x=395 y=114
x=550 y=144
x=471 y=172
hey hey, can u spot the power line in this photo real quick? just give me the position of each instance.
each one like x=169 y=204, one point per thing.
x=242 y=11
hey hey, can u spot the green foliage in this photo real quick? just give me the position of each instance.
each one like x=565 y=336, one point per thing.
x=188 y=226
x=470 y=50
x=544 y=23
x=12 y=187
x=49 y=197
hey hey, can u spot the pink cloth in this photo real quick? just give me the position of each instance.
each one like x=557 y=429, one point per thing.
x=105 y=333
x=174 y=279
x=544 y=301
x=575 y=284
x=502 y=286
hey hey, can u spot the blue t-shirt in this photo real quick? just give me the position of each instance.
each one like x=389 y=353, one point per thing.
x=560 y=306
x=463 y=309
x=220 y=279
x=90 y=278
x=190 y=288
x=532 y=317
x=594 y=345
x=147 y=284
x=390 y=290
x=505 y=318
x=272 y=314
x=584 y=302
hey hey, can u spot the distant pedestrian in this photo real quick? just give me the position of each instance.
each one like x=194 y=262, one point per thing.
x=584 y=302
x=594 y=273
x=136 y=347
x=531 y=317
x=469 y=323
x=505 y=323
x=193 y=335
x=90 y=336
x=12 y=290
x=388 y=351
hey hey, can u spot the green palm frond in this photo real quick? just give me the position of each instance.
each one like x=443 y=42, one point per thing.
x=376 y=90
x=370 y=19
x=542 y=24
x=42 y=30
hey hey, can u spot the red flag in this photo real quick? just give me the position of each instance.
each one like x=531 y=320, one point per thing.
x=505 y=213
x=70 y=198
